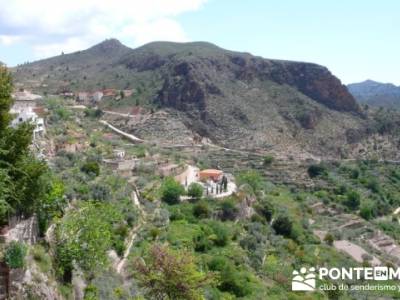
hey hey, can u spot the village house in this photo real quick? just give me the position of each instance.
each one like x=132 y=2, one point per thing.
x=211 y=174
x=76 y=142
x=120 y=164
x=97 y=96
x=109 y=93
x=25 y=110
x=82 y=97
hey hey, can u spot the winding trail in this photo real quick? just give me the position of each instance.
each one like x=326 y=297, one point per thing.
x=123 y=133
x=133 y=233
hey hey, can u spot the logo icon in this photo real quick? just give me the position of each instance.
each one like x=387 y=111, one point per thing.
x=303 y=280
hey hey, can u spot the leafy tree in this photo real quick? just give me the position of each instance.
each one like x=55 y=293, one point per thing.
x=201 y=210
x=283 y=225
x=266 y=209
x=52 y=203
x=91 y=167
x=171 y=190
x=252 y=178
x=169 y=274
x=84 y=235
x=195 y=190
x=316 y=170
x=15 y=255
x=352 y=200
x=229 y=210
x=20 y=172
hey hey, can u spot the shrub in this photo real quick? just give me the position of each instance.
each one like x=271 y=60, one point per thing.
x=316 y=170
x=15 y=255
x=266 y=209
x=195 y=190
x=352 y=200
x=367 y=210
x=91 y=167
x=201 y=210
x=283 y=225
x=268 y=160
x=252 y=178
x=329 y=239
x=229 y=210
x=171 y=190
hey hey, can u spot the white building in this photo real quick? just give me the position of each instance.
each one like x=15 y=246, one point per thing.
x=23 y=109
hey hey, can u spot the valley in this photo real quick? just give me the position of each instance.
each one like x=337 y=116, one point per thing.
x=186 y=171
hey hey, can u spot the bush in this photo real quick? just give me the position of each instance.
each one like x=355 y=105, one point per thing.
x=367 y=210
x=195 y=190
x=171 y=190
x=268 y=160
x=91 y=167
x=265 y=209
x=201 y=210
x=316 y=170
x=252 y=178
x=329 y=239
x=229 y=210
x=352 y=200
x=15 y=255
x=283 y=225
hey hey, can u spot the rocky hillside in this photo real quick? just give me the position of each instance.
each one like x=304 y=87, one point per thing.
x=376 y=93
x=233 y=99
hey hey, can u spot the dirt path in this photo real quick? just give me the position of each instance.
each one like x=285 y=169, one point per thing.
x=133 y=233
x=123 y=133
x=118 y=114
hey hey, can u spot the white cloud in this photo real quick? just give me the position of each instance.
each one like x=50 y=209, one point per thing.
x=8 y=40
x=52 y=26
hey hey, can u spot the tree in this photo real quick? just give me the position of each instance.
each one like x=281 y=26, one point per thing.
x=169 y=274
x=171 y=190
x=195 y=190
x=91 y=167
x=20 y=171
x=367 y=209
x=201 y=210
x=352 y=200
x=316 y=170
x=283 y=225
x=83 y=237
x=15 y=255
x=229 y=210
x=266 y=209
x=252 y=178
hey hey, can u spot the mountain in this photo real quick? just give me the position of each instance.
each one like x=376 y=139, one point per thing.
x=233 y=99
x=376 y=93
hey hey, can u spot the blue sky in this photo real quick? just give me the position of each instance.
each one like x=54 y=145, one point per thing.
x=355 y=39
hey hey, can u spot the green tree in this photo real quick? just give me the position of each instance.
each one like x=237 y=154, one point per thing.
x=15 y=255
x=91 y=167
x=283 y=225
x=171 y=190
x=195 y=190
x=352 y=200
x=169 y=274
x=84 y=235
x=268 y=160
x=20 y=172
x=266 y=209
x=252 y=178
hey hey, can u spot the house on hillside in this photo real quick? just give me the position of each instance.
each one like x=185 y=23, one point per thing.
x=82 y=97
x=211 y=174
x=97 y=96
x=25 y=109
x=109 y=93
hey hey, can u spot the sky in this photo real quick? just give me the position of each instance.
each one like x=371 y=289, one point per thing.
x=356 y=40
